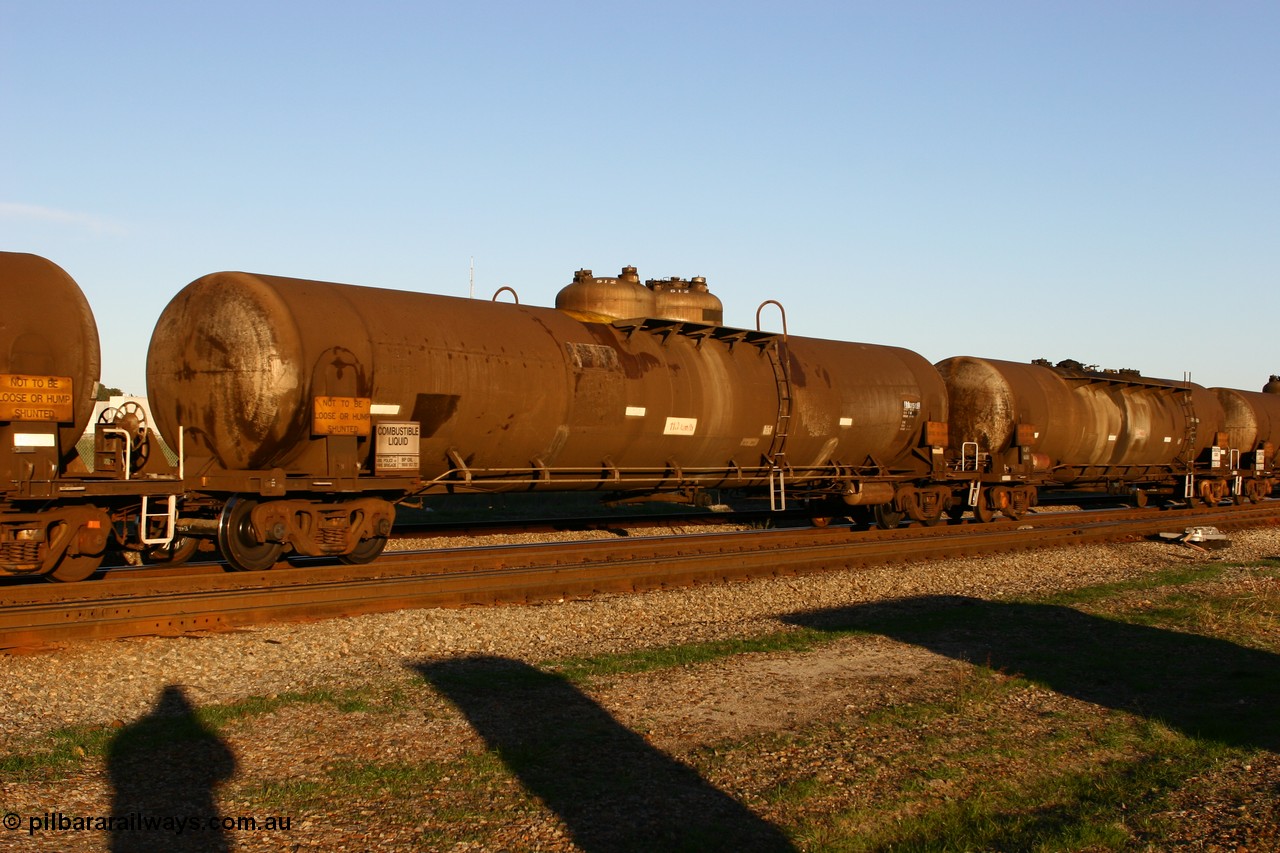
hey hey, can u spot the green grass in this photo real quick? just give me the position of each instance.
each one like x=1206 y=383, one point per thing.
x=62 y=751
x=1103 y=788
x=1100 y=807
x=795 y=791
x=1169 y=577
x=581 y=669
x=57 y=753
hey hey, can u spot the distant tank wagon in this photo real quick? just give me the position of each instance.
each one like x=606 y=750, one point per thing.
x=1072 y=426
x=1252 y=426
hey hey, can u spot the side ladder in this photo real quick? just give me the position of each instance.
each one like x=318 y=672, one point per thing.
x=777 y=453
x=169 y=513
x=1187 y=401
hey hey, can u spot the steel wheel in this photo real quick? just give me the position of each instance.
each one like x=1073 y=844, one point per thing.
x=366 y=552
x=177 y=552
x=237 y=542
x=72 y=569
x=982 y=512
x=86 y=530
x=860 y=517
x=887 y=518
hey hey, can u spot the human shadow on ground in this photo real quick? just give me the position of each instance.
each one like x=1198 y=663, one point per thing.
x=1201 y=686
x=163 y=770
x=613 y=790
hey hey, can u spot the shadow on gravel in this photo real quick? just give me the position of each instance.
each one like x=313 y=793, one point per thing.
x=163 y=771
x=612 y=789
x=1203 y=687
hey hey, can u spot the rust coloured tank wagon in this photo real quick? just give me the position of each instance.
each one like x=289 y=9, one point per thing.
x=57 y=517
x=300 y=412
x=1070 y=426
x=506 y=397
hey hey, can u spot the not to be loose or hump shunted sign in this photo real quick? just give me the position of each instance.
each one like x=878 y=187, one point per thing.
x=35 y=398
x=340 y=416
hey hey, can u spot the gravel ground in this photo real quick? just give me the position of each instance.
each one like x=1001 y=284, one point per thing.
x=119 y=681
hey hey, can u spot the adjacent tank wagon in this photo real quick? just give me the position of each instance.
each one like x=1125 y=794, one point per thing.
x=57 y=517
x=50 y=361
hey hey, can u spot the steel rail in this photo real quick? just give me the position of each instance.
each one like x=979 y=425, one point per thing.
x=47 y=614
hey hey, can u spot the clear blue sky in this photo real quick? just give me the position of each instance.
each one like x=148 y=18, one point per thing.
x=1094 y=180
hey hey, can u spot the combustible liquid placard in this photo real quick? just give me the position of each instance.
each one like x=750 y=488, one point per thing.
x=396 y=449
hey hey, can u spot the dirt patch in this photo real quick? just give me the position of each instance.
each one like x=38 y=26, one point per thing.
x=757 y=693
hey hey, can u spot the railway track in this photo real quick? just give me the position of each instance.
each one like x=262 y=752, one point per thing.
x=177 y=603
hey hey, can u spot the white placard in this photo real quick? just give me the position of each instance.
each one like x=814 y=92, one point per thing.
x=681 y=426
x=396 y=450
x=33 y=439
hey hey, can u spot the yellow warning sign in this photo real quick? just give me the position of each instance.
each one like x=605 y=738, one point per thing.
x=341 y=416
x=35 y=398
